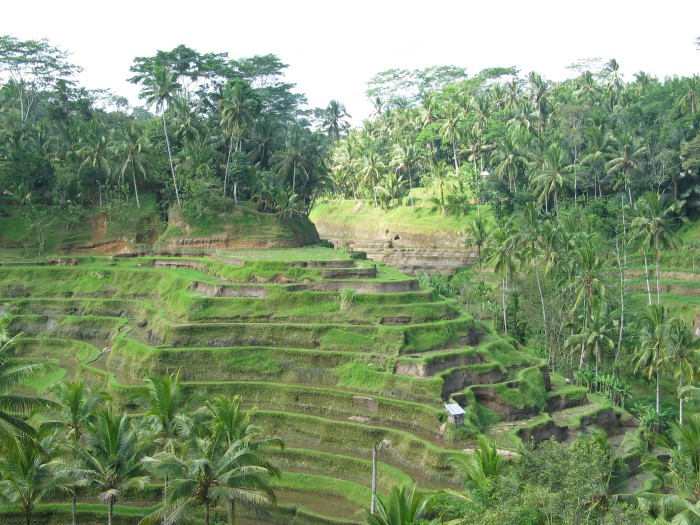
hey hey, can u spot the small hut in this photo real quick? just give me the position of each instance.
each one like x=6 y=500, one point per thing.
x=455 y=414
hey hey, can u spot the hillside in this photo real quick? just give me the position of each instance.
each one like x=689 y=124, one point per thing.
x=337 y=354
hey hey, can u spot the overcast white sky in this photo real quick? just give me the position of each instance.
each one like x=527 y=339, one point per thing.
x=333 y=48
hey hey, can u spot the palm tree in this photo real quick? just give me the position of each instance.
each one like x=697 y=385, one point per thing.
x=441 y=180
x=509 y=160
x=683 y=354
x=334 y=120
x=160 y=89
x=538 y=95
x=689 y=99
x=112 y=456
x=404 y=160
x=230 y=423
x=167 y=411
x=95 y=152
x=598 y=152
x=596 y=334
x=132 y=145
x=554 y=176
x=203 y=474
x=371 y=171
x=449 y=129
x=530 y=237
x=501 y=254
x=238 y=107
x=404 y=506
x=651 y=354
x=478 y=468
x=25 y=477
x=76 y=409
x=13 y=373
x=652 y=225
x=478 y=236
x=625 y=160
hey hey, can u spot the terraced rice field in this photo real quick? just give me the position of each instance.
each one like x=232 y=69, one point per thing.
x=337 y=354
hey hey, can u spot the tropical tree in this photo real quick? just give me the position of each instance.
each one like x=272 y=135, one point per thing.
x=160 y=90
x=228 y=423
x=479 y=467
x=651 y=354
x=203 y=474
x=132 y=145
x=501 y=255
x=239 y=105
x=95 y=152
x=371 y=171
x=450 y=131
x=625 y=160
x=404 y=506
x=14 y=373
x=334 y=120
x=112 y=456
x=75 y=410
x=25 y=477
x=653 y=227
x=403 y=161
x=683 y=353
x=596 y=334
x=167 y=411
x=441 y=180
x=553 y=177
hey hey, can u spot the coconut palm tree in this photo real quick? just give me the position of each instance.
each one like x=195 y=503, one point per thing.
x=335 y=120
x=239 y=105
x=371 y=171
x=449 y=130
x=228 y=423
x=501 y=255
x=25 y=477
x=160 y=90
x=112 y=456
x=76 y=409
x=479 y=467
x=404 y=506
x=132 y=145
x=625 y=160
x=203 y=474
x=13 y=373
x=653 y=227
x=553 y=177
x=652 y=352
x=683 y=354
x=167 y=411
x=404 y=161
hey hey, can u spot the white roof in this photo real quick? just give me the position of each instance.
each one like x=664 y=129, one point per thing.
x=454 y=409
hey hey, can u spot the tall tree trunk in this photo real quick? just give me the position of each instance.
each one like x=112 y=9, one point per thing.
x=505 y=293
x=74 y=506
x=231 y=511
x=228 y=166
x=110 y=510
x=206 y=513
x=373 y=505
x=136 y=191
x=657 y=260
x=410 y=189
x=658 y=391
x=544 y=312
x=170 y=160
x=680 y=397
x=646 y=273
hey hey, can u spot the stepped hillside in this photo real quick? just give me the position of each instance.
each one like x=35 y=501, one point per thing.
x=418 y=240
x=337 y=354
